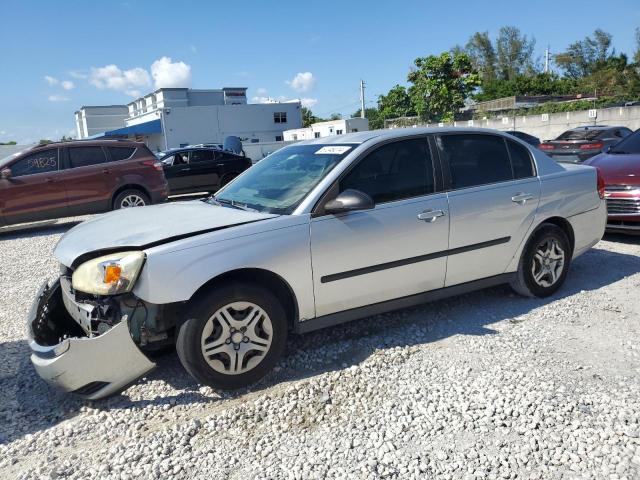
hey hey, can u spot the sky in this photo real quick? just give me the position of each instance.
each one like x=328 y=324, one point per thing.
x=58 y=56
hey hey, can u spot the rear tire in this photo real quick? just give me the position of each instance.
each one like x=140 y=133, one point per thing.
x=544 y=262
x=131 y=198
x=233 y=336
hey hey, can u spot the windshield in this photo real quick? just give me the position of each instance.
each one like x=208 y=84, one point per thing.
x=580 y=135
x=630 y=144
x=279 y=182
x=7 y=159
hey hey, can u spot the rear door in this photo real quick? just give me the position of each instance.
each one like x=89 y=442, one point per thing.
x=35 y=190
x=205 y=171
x=493 y=197
x=394 y=250
x=86 y=176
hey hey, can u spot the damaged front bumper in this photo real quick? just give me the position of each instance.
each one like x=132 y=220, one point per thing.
x=63 y=355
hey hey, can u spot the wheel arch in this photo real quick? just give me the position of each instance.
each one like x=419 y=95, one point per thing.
x=264 y=278
x=129 y=186
x=564 y=225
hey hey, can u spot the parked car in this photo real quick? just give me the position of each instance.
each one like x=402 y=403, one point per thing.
x=620 y=167
x=525 y=137
x=78 y=178
x=579 y=144
x=319 y=233
x=201 y=169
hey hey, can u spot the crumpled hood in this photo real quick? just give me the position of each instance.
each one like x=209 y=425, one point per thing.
x=144 y=226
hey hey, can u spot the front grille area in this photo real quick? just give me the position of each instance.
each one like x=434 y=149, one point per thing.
x=623 y=206
x=621 y=188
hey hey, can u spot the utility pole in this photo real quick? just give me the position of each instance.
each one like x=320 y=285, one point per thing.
x=547 y=54
x=362 y=99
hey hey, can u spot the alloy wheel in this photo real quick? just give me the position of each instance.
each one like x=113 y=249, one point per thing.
x=132 y=201
x=548 y=262
x=236 y=338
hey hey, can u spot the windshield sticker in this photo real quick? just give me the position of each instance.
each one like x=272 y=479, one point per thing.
x=338 y=150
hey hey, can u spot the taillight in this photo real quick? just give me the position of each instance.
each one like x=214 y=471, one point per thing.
x=545 y=146
x=601 y=184
x=153 y=163
x=592 y=146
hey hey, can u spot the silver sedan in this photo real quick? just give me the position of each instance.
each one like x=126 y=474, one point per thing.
x=319 y=233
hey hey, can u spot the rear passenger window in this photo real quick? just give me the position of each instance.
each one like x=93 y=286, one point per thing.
x=201 y=156
x=44 y=161
x=394 y=171
x=475 y=159
x=521 y=160
x=120 y=153
x=85 y=156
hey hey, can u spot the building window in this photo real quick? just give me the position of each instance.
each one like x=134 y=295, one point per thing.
x=338 y=132
x=280 y=117
x=278 y=138
x=255 y=140
x=316 y=134
x=354 y=129
x=295 y=137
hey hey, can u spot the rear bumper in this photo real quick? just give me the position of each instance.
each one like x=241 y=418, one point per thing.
x=92 y=367
x=571 y=157
x=160 y=194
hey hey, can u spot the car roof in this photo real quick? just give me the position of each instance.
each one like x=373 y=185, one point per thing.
x=361 y=137
x=594 y=127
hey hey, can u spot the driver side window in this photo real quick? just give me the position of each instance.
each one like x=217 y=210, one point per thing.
x=44 y=161
x=394 y=171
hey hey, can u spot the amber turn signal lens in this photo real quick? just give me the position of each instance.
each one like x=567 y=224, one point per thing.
x=112 y=273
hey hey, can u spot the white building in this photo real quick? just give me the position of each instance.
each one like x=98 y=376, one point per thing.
x=325 y=129
x=93 y=120
x=176 y=117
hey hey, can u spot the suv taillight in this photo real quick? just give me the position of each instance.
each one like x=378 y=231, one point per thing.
x=153 y=163
x=545 y=146
x=601 y=184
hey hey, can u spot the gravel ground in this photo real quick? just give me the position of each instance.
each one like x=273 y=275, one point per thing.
x=487 y=385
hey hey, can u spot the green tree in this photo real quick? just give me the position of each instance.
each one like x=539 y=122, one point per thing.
x=636 y=54
x=335 y=116
x=584 y=57
x=483 y=55
x=45 y=141
x=514 y=53
x=308 y=117
x=10 y=142
x=396 y=103
x=441 y=85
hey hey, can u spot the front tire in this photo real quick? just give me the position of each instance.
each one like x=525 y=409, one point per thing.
x=544 y=263
x=131 y=198
x=233 y=336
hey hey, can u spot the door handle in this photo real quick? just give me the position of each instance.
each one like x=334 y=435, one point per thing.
x=105 y=170
x=430 y=215
x=220 y=165
x=521 y=198
x=48 y=180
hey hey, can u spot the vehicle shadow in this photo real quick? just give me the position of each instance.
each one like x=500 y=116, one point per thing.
x=622 y=238
x=38 y=229
x=29 y=405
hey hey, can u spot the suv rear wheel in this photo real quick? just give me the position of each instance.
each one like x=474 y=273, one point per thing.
x=131 y=198
x=233 y=335
x=544 y=263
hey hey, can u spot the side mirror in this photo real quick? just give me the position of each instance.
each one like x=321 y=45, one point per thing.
x=348 y=201
x=5 y=174
x=608 y=149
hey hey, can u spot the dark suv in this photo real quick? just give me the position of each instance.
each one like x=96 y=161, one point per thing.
x=579 y=144
x=201 y=169
x=78 y=178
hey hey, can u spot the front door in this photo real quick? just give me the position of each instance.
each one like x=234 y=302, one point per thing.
x=34 y=191
x=493 y=197
x=178 y=172
x=394 y=250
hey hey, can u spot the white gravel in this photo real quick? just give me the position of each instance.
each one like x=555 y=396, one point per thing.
x=483 y=386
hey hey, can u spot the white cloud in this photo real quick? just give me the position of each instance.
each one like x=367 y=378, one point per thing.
x=58 y=98
x=51 y=80
x=67 y=85
x=302 y=82
x=308 y=102
x=110 y=77
x=167 y=74
x=78 y=75
x=261 y=92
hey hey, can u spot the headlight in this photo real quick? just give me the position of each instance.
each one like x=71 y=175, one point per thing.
x=109 y=275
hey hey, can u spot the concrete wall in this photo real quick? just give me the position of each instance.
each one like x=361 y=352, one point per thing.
x=7 y=150
x=549 y=126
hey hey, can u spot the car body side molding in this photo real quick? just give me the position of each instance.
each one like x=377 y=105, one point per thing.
x=400 y=303
x=408 y=261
